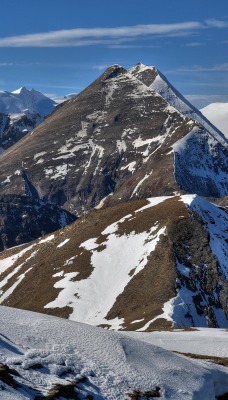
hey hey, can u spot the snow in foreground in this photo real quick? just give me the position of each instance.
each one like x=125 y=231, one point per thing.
x=47 y=350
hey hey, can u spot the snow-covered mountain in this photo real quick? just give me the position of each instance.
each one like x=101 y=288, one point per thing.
x=47 y=357
x=156 y=81
x=25 y=101
x=108 y=149
x=217 y=113
x=136 y=266
x=20 y=112
x=116 y=137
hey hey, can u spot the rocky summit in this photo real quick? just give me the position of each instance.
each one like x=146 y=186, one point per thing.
x=117 y=137
x=134 y=161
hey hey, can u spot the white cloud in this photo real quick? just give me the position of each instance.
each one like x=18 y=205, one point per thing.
x=214 y=23
x=105 y=36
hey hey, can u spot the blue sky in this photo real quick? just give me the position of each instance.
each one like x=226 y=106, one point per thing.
x=60 y=46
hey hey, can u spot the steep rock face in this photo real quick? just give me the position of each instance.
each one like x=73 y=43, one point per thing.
x=116 y=137
x=135 y=266
x=23 y=219
x=15 y=126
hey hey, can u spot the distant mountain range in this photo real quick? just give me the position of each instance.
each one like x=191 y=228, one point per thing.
x=127 y=262
x=25 y=101
x=20 y=112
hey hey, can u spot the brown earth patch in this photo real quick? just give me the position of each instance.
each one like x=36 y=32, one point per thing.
x=216 y=360
x=147 y=394
x=7 y=375
x=146 y=293
x=37 y=288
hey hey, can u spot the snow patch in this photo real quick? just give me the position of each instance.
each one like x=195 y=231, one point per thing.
x=64 y=242
x=130 y=167
x=47 y=239
x=111 y=266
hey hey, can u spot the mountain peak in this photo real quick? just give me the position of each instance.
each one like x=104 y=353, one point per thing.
x=22 y=89
x=143 y=66
x=24 y=100
x=113 y=71
x=144 y=73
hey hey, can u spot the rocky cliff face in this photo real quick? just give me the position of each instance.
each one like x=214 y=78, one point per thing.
x=23 y=219
x=118 y=137
x=13 y=127
x=142 y=265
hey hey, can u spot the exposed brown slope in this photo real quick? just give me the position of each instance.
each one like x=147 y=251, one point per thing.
x=84 y=150
x=184 y=240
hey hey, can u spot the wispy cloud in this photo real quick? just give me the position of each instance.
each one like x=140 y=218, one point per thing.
x=105 y=36
x=133 y=46
x=6 y=64
x=201 y=68
x=193 y=44
x=214 y=23
x=101 y=67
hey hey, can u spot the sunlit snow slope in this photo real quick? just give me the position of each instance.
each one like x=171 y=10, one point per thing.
x=217 y=113
x=48 y=356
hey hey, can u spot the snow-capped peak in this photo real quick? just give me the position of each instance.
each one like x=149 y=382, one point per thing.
x=26 y=101
x=20 y=90
x=156 y=81
x=142 y=67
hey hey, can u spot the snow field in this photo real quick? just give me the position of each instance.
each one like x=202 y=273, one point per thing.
x=113 y=362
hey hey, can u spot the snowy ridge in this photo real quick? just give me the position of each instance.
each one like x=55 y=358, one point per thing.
x=92 y=361
x=156 y=81
x=217 y=113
